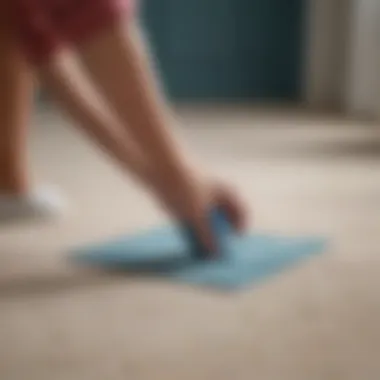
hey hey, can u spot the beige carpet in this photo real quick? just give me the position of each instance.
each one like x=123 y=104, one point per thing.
x=300 y=174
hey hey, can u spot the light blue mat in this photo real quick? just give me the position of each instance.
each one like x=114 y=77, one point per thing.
x=163 y=252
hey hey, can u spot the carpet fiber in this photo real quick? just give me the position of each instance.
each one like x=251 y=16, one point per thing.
x=300 y=174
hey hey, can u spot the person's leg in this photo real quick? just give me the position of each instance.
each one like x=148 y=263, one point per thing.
x=18 y=197
x=16 y=93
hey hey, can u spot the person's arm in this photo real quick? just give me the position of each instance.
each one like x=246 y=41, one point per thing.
x=118 y=62
x=104 y=36
x=65 y=82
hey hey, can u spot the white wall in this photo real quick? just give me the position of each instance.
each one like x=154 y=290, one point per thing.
x=343 y=69
x=327 y=44
x=364 y=64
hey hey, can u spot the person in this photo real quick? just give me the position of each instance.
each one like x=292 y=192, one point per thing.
x=18 y=197
x=67 y=41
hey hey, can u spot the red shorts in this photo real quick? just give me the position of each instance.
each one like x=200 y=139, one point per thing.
x=46 y=26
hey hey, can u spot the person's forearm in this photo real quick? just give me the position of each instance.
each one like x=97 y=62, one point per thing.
x=77 y=99
x=118 y=63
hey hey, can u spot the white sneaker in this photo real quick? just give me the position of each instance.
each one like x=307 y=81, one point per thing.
x=43 y=203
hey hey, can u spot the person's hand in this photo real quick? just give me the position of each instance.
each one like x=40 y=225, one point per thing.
x=190 y=199
x=227 y=199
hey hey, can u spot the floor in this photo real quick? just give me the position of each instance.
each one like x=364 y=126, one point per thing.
x=299 y=173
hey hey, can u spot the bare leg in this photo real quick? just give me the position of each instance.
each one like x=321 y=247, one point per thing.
x=18 y=199
x=16 y=93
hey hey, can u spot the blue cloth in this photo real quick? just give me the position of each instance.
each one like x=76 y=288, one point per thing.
x=164 y=252
x=221 y=229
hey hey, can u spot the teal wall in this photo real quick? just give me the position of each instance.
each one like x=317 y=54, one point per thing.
x=210 y=49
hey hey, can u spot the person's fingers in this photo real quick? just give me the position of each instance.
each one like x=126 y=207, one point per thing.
x=233 y=207
x=201 y=224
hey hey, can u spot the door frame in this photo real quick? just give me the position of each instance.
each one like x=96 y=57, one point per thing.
x=342 y=56
x=326 y=52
